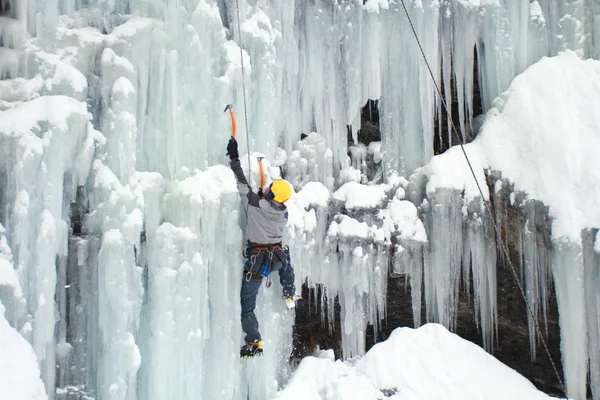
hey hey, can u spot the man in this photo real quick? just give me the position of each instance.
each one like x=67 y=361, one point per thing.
x=266 y=219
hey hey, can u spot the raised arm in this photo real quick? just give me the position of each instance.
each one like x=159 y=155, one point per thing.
x=246 y=193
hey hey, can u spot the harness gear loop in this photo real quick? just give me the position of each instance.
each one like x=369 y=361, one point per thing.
x=261 y=258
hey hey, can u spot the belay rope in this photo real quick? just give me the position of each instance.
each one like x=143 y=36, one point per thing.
x=232 y=115
x=496 y=230
x=230 y=106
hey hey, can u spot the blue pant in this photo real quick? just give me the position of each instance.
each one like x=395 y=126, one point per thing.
x=249 y=292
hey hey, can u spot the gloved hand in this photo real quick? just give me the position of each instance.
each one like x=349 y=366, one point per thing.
x=232 y=149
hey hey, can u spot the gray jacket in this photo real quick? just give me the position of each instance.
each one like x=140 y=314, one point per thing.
x=266 y=218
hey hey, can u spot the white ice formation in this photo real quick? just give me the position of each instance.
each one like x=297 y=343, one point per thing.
x=120 y=247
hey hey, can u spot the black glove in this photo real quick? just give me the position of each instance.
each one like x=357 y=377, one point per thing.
x=232 y=150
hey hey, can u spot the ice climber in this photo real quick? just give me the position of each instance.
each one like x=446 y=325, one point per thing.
x=267 y=217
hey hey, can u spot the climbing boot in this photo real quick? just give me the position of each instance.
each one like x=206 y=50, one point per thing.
x=251 y=349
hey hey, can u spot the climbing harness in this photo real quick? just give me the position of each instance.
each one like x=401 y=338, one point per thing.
x=496 y=230
x=262 y=258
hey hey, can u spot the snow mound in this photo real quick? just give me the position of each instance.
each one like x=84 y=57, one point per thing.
x=543 y=135
x=425 y=363
x=19 y=372
x=545 y=138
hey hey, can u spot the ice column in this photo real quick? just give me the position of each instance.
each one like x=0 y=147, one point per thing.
x=459 y=25
x=357 y=251
x=306 y=233
x=78 y=368
x=497 y=68
x=444 y=223
x=479 y=259
x=310 y=161
x=120 y=290
x=39 y=151
x=11 y=293
x=408 y=239
x=322 y=45
x=177 y=315
x=193 y=312
x=535 y=242
x=591 y=265
x=565 y=25
x=118 y=119
x=187 y=71
x=121 y=213
x=569 y=275
x=407 y=120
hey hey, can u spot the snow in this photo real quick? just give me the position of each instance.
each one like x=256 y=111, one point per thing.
x=20 y=121
x=404 y=216
x=19 y=371
x=375 y=150
x=357 y=196
x=451 y=170
x=8 y=276
x=313 y=193
x=349 y=227
x=376 y=5
x=535 y=154
x=154 y=274
x=526 y=140
x=425 y=363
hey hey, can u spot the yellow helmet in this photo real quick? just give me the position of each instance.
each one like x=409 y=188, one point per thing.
x=280 y=191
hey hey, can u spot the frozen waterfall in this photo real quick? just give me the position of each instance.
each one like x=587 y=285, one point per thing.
x=121 y=228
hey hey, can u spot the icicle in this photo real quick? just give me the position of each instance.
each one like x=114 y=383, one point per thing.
x=407 y=116
x=591 y=265
x=536 y=244
x=569 y=275
x=480 y=260
x=443 y=257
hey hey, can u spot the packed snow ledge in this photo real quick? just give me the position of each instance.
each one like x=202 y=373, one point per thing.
x=425 y=363
x=543 y=135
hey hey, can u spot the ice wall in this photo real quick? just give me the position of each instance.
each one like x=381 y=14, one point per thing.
x=122 y=227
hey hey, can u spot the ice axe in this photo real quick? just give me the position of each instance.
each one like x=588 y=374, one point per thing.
x=233 y=127
x=262 y=175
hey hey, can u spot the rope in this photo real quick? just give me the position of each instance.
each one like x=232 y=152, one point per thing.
x=496 y=230
x=237 y=6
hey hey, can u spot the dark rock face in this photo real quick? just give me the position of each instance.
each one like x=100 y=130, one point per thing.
x=311 y=331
